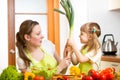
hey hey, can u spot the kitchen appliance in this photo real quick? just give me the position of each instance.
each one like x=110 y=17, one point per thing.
x=108 y=45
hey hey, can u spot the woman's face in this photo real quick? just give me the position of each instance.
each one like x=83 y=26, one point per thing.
x=36 y=36
x=83 y=37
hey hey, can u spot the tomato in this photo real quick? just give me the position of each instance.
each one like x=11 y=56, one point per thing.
x=65 y=77
x=38 y=78
x=109 y=70
x=82 y=75
x=91 y=71
x=94 y=74
x=110 y=76
x=102 y=77
x=88 y=78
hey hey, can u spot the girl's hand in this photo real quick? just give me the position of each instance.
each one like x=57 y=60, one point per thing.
x=67 y=50
x=70 y=42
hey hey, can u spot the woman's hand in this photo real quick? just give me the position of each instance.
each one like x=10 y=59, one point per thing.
x=63 y=64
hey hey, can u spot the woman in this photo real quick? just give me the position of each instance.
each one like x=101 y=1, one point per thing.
x=36 y=54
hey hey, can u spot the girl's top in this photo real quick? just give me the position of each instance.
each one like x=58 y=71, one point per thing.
x=48 y=62
x=94 y=62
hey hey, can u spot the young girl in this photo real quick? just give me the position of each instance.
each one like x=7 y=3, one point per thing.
x=90 y=54
x=36 y=54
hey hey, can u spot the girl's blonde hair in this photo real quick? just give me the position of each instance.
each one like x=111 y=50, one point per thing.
x=93 y=30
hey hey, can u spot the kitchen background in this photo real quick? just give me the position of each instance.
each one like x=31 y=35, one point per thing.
x=85 y=11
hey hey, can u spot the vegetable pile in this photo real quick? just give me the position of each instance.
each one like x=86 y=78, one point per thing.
x=32 y=76
x=66 y=77
x=11 y=73
x=105 y=74
x=46 y=72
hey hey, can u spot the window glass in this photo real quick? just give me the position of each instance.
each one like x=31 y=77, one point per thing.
x=30 y=6
x=42 y=19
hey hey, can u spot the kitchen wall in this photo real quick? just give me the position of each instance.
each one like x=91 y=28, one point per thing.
x=98 y=10
x=85 y=10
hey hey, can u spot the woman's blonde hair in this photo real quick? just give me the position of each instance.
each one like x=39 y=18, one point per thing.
x=93 y=30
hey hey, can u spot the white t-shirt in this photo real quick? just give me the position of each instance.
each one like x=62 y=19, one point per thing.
x=47 y=45
x=95 y=59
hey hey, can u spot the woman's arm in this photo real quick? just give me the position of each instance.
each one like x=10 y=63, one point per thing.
x=21 y=65
x=62 y=66
x=57 y=57
x=68 y=52
x=62 y=63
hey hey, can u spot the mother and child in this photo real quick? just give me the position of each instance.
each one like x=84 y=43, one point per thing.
x=35 y=52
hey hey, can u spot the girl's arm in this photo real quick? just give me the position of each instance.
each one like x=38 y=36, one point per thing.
x=74 y=59
x=80 y=57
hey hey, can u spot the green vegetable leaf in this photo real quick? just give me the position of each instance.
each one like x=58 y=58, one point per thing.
x=59 y=11
x=69 y=13
x=11 y=73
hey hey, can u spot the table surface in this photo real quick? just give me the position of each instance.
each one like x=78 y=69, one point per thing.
x=111 y=58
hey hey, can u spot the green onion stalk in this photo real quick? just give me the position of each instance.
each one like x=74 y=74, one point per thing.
x=69 y=13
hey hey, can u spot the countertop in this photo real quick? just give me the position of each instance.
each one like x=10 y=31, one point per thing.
x=111 y=58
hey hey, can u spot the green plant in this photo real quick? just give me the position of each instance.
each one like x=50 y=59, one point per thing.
x=69 y=13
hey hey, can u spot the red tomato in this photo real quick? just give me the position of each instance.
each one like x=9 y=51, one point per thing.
x=88 y=78
x=38 y=78
x=110 y=76
x=102 y=77
x=105 y=71
x=82 y=75
x=109 y=70
x=65 y=77
x=91 y=72
x=94 y=74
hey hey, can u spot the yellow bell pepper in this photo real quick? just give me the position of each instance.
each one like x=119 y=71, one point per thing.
x=27 y=74
x=74 y=70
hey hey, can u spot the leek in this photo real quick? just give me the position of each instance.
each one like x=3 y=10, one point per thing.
x=69 y=13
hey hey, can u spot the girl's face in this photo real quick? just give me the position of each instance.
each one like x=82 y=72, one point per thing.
x=35 y=38
x=83 y=37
